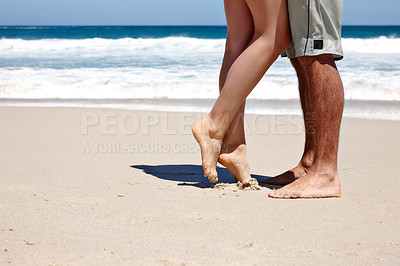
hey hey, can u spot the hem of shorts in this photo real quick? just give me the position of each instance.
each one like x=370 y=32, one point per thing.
x=336 y=55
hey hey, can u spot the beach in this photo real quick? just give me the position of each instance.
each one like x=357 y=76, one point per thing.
x=99 y=166
x=104 y=186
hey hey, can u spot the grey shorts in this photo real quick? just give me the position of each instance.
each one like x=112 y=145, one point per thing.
x=316 y=28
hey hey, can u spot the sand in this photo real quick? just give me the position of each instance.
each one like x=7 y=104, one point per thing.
x=91 y=186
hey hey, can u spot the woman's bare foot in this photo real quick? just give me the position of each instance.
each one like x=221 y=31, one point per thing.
x=312 y=185
x=210 y=142
x=288 y=176
x=234 y=158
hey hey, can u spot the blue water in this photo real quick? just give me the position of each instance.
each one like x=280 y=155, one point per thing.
x=164 y=66
x=201 y=32
x=111 y=32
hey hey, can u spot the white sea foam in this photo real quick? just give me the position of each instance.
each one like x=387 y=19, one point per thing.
x=173 y=68
x=381 y=45
x=175 y=46
x=28 y=83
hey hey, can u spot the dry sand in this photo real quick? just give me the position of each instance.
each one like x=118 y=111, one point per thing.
x=89 y=186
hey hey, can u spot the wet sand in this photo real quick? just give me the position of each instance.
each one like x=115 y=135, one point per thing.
x=98 y=186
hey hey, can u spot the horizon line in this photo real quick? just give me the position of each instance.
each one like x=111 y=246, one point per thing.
x=171 y=25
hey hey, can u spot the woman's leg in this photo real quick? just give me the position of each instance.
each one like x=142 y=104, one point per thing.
x=271 y=37
x=240 y=33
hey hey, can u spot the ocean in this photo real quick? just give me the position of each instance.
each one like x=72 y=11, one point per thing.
x=176 y=68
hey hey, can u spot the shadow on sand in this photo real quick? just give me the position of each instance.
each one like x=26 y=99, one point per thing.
x=189 y=174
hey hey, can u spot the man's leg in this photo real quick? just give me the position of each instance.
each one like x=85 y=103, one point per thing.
x=326 y=101
x=309 y=122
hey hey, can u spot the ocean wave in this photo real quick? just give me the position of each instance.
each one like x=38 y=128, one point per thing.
x=381 y=45
x=173 y=68
x=176 y=46
x=133 y=83
x=121 y=83
x=98 y=47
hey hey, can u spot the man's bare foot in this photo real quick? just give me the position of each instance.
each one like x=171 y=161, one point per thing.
x=234 y=158
x=210 y=147
x=313 y=185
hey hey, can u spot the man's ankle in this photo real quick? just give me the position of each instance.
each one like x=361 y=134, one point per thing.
x=324 y=169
